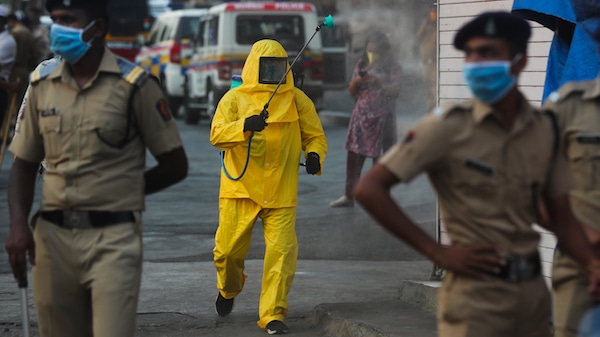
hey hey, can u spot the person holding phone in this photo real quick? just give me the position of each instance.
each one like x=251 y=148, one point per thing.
x=372 y=130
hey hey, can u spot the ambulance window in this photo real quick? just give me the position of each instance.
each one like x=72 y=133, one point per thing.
x=287 y=29
x=188 y=27
x=201 y=31
x=213 y=31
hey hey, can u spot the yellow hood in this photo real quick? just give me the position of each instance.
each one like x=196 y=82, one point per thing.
x=280 y=108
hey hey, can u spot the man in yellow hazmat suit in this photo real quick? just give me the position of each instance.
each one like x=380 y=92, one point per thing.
x=259 y=178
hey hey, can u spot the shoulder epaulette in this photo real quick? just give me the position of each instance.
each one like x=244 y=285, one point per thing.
x=448 y=108
x=570 y=88
x=131 y=72
x=44 y=69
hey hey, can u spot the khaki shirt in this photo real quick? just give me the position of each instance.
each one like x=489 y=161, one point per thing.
x=487 y=177
x=64 y=124
x=578 y=110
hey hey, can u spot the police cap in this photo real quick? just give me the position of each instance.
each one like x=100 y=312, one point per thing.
x=503 y=25
x=94 y=5
x=587 y=13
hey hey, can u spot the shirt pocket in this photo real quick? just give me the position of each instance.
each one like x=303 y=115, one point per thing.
x=107 y=133
x=477 y=184
x=51 y=129
x=584 y=156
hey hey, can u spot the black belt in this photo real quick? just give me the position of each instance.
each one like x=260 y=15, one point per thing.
x=86 y=219
x=520 y=268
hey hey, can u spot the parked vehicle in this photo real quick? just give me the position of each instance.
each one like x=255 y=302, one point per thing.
x=225 y=37
x=167 y=51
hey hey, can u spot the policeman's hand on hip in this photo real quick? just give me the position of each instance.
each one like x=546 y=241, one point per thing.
x=313 y=164
x=254 y=123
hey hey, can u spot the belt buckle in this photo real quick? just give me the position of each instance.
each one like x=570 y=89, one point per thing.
x=515 y=266
x=519 y=268
x=76 y=219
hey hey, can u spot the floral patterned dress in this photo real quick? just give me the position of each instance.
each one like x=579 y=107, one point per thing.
x=372 y=128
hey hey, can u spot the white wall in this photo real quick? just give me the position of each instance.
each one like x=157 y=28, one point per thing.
x=452 y=15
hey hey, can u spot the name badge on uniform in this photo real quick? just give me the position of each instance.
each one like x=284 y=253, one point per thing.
x=590 y=138
x=50 y=112
x=479 y=166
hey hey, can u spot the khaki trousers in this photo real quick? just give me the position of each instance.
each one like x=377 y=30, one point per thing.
x=86 y=282
x=493 y=308
x=570 y=296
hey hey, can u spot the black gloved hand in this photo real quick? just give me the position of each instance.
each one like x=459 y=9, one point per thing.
x=313 y=164
x=254 y=123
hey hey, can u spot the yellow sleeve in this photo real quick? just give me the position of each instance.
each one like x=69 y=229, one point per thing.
x=311 y=129
x=227 y=128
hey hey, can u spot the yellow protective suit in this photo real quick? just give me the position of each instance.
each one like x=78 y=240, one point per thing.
x=269 y=186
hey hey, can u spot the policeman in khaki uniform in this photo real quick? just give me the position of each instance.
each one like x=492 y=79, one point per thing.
x=577 y=105
x=92 y=115
x=490 y=160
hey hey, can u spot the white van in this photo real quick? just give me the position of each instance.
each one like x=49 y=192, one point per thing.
x=225 y=38
x=167 y=51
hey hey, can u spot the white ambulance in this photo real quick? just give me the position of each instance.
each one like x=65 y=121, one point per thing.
x=225 y=38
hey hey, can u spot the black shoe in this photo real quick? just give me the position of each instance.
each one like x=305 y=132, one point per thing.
x=276 y=328
x=223 y=305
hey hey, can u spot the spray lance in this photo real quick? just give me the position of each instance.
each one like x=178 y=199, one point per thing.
x=327 y=22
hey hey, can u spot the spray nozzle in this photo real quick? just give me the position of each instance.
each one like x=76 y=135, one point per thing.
x=328 y=21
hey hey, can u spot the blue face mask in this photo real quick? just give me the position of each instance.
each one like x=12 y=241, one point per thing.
x=68 y=43
x=489 y=81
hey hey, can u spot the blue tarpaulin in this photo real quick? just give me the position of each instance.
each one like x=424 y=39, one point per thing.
x=573 y=53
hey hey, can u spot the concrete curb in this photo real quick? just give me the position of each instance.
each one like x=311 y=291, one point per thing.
x=329 y=323
x=387 y=318
x=421 y=294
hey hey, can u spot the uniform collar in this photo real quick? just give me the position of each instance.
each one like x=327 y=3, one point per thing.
x=481 y=111
x=108 y=64
x=593 y=91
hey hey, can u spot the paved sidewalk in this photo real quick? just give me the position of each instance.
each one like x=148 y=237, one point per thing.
x=332 y=298
x=359 y=298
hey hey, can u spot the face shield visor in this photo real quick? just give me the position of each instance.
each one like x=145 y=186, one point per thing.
x=272 y=69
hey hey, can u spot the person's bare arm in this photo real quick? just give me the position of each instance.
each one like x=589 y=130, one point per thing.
x=373 y=193
x=571 y=238
x=568 y=229
x=21 y=190
x=172 y=167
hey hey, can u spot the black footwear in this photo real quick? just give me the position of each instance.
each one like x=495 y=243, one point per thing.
x=223 y=305
x=276 y=328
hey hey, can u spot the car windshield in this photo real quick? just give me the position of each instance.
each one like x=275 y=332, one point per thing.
x=287 y=29
x=188 y=27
